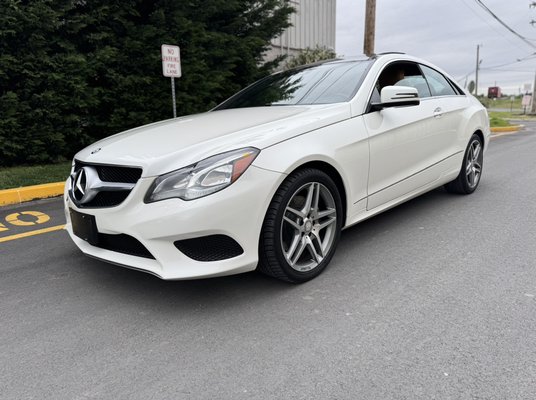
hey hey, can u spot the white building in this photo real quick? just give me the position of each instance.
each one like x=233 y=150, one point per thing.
x=313 y=24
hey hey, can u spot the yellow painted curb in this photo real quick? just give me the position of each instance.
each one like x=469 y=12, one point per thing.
x=512 y=128
x=27 y=193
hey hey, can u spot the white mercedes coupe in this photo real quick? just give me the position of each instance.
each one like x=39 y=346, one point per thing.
x=269 y=178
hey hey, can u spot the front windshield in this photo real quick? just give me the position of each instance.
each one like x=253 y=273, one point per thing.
x=327 y=83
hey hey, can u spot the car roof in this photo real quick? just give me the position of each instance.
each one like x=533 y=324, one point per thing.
x=385 y=55
x=384 y=58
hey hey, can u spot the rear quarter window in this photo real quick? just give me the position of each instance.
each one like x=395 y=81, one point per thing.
x=439 y=85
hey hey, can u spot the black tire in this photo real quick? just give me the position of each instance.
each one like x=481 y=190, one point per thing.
x=463 y=184
x=307 y=230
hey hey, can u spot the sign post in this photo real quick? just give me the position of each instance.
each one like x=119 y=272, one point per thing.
x=174 y=101
x=526 y=102
x=171 y=68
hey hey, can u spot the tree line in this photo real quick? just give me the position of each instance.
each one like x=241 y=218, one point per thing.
x=74 y=71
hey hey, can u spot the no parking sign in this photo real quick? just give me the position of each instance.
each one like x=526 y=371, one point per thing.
x=171 y=68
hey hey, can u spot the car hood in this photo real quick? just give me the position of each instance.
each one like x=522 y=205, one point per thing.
x=168 y=145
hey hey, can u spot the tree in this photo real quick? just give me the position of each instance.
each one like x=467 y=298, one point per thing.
x=75 y=71
x=309 y=55
x=43 y=90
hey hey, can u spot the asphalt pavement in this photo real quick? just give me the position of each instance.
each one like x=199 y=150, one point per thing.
x=435 y=299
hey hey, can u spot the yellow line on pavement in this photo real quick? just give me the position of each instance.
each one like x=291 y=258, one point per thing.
x=31 y=233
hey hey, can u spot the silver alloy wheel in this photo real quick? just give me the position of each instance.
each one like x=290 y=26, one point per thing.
x=309 y=226
x=473 y=168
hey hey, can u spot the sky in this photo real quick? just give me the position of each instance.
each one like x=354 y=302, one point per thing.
x=446 y=33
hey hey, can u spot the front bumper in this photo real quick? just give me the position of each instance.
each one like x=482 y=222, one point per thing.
x=237 y=211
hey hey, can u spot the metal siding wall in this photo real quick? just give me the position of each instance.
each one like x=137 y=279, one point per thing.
x=313 y=24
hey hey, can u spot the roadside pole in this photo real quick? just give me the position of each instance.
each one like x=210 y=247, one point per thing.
x=171 y=68
x=532 y=102
x=477 y=67
x=173 y=97
x=370 y=28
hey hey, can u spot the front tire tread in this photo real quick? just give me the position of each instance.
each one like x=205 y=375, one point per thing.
x=269 y=259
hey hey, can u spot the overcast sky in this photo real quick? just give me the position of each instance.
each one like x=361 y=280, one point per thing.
x=446 y=33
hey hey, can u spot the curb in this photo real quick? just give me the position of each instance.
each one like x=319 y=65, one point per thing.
x=513 y=128
x=27 y=193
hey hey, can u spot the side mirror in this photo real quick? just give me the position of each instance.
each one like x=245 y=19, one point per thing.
x=397 y=96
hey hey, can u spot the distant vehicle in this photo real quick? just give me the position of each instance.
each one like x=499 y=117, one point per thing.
x=270 y=177
x=494 y=92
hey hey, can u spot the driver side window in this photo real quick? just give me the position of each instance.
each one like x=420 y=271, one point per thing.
x=401 y=74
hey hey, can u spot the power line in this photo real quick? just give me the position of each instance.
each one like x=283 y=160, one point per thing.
x=506 y=70
x=465 y=76
x=523 y=38
x=527 y=58
x=497 y=67
x=485 y=20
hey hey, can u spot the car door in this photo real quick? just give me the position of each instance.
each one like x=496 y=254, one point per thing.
x=401 y=139
x=447 y=124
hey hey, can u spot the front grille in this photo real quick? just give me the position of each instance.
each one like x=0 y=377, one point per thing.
x=123 y=244
x=107 y=199
x=210 y=248
x=110 y=173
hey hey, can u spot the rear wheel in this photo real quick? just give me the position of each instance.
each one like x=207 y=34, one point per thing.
x=302 y=227
x=471 y=172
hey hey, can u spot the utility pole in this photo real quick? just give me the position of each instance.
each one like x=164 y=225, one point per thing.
x=532 y=102
x=370 y=27
x=477 y=67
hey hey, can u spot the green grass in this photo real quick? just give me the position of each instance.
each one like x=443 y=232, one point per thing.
x=496 y=122
x=503 y=118
x=503 y=115
x=14 y=177
x=503 y=102
x=498 y=119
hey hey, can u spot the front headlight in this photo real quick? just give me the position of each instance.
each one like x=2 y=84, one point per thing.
x=203 y=178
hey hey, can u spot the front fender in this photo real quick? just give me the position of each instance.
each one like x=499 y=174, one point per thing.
x=343 y=145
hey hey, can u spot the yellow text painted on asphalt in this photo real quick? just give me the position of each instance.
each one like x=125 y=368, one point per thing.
x=27 y=218
x=14 y=219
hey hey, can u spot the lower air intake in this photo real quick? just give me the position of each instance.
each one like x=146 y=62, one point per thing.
x=209 y=248
x=123 y=244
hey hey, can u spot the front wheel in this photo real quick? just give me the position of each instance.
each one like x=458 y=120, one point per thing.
x=471 y=172
x=302 y=227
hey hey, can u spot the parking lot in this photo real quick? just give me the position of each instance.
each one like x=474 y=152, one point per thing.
x=435 y=299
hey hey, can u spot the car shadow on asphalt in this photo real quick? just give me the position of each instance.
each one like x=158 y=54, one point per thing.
x=123 y=284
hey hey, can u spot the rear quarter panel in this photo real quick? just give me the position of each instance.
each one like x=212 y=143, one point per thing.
x=475 y=119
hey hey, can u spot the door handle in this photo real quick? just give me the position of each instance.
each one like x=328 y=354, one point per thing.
x=438 y=112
